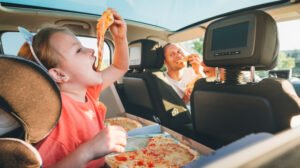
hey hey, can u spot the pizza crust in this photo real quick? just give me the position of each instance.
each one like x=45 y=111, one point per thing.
x=127 y=123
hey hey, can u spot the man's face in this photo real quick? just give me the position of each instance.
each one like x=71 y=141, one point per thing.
x=174 y=58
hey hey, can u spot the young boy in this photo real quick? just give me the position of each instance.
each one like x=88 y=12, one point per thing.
x=80 y=138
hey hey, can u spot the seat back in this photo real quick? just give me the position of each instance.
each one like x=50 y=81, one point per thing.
x=224 y=112
x=29 y=97
x=18 y=153
x=148 y=96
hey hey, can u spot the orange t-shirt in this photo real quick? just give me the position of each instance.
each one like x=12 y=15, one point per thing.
x=78 y=123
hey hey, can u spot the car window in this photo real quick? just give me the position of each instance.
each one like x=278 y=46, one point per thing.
x=12 y=41
x=289 y=50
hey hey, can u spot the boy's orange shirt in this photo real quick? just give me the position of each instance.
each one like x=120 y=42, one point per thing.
x=78 y=123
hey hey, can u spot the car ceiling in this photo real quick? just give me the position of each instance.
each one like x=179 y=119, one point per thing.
x=84 y=23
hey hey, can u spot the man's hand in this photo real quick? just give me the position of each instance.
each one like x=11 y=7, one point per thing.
x=195 y=61
x=187 y=95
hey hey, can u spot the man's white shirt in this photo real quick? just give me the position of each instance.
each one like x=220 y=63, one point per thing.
x=180 y=86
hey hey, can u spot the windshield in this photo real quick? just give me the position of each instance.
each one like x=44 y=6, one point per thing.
x=161 y=13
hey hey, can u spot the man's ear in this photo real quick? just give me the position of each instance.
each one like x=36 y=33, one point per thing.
x=58 y=75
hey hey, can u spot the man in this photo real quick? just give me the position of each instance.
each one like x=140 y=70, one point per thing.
x=179 y=76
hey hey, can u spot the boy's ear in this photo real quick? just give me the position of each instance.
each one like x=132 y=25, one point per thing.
x=58 y=75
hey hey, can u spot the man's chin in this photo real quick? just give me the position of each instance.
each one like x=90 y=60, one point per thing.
x=181 y=64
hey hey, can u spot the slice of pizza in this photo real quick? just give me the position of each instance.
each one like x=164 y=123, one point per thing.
x=176 y=153
x=160 y=152
x=127 y=123
x=136 y=159
x=105 y=21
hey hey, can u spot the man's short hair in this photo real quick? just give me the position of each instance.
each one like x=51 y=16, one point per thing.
x=164 y=48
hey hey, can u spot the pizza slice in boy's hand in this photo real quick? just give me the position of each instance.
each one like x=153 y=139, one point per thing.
x=106 y=20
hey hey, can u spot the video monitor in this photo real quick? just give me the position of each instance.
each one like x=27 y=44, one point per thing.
x=241 y=40
x=233 y=37
x=145 y=54
x=135 y=54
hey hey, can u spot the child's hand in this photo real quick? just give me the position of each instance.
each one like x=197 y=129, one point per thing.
x=118 y=28
x=110 y=139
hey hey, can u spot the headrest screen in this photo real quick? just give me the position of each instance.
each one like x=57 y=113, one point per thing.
x=242 y=40
x=135 y=54
x=145 y=54
x=236 y=36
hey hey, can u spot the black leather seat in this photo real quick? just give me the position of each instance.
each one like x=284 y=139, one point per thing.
x=224 y=112
x=147 y=95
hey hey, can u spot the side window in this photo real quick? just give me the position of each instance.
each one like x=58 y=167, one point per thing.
x=288 y=65
x=289 y=54
x=12 y=41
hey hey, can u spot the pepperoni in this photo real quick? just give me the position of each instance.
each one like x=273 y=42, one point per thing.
x=150 y=164
x=132 y=157
x=140 y=163
x=121 y=158
x=152 y=144
x=153 y=153
x=144 y=151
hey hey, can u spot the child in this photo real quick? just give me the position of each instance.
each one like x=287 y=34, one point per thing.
x=80 y=138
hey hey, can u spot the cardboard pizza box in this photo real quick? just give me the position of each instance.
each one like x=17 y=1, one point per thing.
x=202 y=149
x=116 y=109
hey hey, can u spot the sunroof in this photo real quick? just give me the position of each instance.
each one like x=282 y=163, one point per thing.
x=169 y=14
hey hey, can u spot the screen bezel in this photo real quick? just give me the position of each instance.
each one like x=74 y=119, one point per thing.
x=244 y=52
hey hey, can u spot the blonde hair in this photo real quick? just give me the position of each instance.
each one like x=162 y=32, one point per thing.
x=41 y=46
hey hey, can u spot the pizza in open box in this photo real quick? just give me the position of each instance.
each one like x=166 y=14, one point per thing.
x=127 y=123
x=161 y=152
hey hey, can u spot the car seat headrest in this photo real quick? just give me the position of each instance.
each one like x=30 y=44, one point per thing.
x=242 y=40
x=18 y=153
x=30 y=95
x=145 y=54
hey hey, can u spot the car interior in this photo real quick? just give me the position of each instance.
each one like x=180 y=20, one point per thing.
x=219 y=114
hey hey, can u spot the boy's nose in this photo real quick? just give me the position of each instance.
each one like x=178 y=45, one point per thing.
x=90 y=51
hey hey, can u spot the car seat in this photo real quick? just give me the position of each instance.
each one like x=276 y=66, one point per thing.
x=226 y=111
x=146 y=92
x=32 y=99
